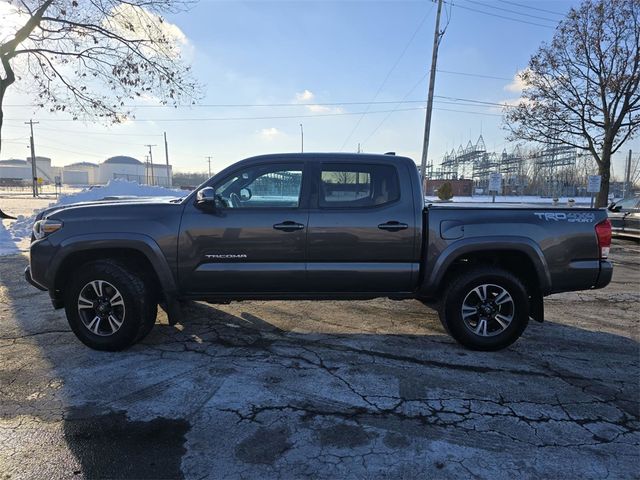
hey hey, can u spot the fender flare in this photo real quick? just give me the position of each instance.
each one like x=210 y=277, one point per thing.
x=135 y=241
x=435 y=273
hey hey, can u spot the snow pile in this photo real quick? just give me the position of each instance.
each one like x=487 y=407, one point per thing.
x=7 y=246
x=21 y=228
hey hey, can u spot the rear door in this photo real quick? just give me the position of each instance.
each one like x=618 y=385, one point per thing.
x=361 y=228
x=255 y=240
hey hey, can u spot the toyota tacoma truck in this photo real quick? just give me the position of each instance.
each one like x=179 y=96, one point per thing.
x=313 y=226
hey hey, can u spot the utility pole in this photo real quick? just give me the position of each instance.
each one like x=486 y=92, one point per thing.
x=627 y=177
x=437 y=35
x=166 y=157
x=34 y=170
x=209 y=160
x=358 y=147
x=301 y=139
x=151 y=161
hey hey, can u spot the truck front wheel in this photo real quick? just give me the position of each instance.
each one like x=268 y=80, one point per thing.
x=108 y=306
x=485 y=308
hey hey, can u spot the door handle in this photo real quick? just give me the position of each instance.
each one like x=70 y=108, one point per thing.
x=393 y=226
x=288 y=226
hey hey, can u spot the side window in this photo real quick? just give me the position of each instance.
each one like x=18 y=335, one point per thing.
x=357 y=185
x=628 y=204
x=262 y=186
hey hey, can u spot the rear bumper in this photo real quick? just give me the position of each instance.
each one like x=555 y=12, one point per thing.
x=605 y=275
x=30 y=280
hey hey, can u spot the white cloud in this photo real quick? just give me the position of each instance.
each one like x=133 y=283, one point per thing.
x=270 y=133
x=517 y=84
x=324 y=109
x=305 y=96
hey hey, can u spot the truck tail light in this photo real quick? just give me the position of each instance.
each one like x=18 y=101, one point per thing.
x=603 y=232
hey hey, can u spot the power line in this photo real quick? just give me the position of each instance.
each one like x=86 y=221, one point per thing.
x=137 y=144
x=513 y=11
x=479 y=102
x=455 y=100
x=50 y=147
x=466 y=111
x=532 y=8
x=396 y=108
x=386 y=78
x=379 y=102
x=269 y=117
x=468 y=74
x=500 y=16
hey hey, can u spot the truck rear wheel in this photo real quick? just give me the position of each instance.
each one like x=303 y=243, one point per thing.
x=485 y=308
x=108 y=306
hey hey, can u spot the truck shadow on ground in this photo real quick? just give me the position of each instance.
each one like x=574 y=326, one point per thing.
x=250 y=384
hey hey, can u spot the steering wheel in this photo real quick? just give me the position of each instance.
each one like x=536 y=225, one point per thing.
x=234 y=200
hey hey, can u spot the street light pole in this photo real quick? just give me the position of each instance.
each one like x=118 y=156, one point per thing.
x=34 y=168
x=151 y=163
x=209 y=160
x=301 y=139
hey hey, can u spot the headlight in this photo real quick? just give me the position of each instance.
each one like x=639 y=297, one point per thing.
x=42 y=228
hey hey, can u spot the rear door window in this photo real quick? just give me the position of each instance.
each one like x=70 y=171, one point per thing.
x=357 y=185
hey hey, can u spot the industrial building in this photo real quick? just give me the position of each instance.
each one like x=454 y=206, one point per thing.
x=80 y=173
x=17 y=171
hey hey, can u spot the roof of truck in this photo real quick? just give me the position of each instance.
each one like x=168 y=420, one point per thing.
x=338 y=156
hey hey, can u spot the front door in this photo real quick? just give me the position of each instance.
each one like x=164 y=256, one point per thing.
x=362 y=229
x=254 y=241
x=632 y=220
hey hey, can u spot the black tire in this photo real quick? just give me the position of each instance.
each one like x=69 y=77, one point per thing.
x=481 y=330
x=133 y=315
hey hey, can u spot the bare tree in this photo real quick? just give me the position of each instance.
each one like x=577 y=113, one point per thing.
x=87 y=57
x=582 y=88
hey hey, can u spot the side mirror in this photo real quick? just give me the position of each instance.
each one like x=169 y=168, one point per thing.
x=615 y=208
x=206 y=199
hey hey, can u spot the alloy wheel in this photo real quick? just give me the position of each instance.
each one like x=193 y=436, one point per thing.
x=488 y=309
x=101 y=308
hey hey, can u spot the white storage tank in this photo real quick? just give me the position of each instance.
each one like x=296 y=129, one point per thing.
x=122 y=167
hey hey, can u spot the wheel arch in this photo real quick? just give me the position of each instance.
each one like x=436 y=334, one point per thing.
x=518 y=255
x=139 y=251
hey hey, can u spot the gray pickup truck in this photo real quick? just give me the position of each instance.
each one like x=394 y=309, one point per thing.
x=313 y=226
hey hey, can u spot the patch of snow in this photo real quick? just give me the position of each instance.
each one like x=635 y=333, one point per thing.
x=7 y=246
x=20 y=229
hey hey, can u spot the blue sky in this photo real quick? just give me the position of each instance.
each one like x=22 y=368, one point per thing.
x=317 y=52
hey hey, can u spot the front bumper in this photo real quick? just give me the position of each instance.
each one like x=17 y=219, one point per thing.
x=605 y=275
x=29 y=279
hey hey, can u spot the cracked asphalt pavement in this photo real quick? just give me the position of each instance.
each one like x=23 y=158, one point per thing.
x=363 y=389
